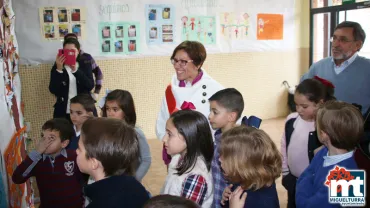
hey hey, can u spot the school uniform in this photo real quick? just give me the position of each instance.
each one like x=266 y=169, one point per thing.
x=116 y=191
x=195 y=184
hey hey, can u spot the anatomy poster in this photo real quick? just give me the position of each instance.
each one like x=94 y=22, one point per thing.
x=56 y=22
x=160 y=23
x=199 y=28
x=119 y=38
x=235 y=26
x=270 y=26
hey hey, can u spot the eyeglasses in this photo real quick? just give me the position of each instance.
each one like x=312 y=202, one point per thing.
x=340 y=40
x=182 y=62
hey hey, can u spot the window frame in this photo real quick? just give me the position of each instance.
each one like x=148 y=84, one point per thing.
x=334 y=19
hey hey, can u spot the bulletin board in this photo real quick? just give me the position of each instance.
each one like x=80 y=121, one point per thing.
x=130 y=28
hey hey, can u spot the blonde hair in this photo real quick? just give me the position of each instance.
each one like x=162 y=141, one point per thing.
x=250 y=157
x=342 y=122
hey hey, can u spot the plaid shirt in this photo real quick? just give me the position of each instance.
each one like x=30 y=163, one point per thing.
x=219 y=180
x=95 y=70
x=194 y=188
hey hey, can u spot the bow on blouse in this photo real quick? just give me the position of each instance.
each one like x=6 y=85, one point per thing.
x=187 y=106
x=324 y=81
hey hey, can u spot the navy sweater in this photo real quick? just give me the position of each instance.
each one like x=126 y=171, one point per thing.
x=311 y=191
x=263 y=197
x=115 y=192
x=59 y=183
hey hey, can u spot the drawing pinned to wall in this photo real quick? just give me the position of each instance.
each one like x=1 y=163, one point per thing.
x=199 y=28
x=234 y=26
x=160 y=23
x=64 y=20
x=119 y=38
x=270 y=26
x=13 y=148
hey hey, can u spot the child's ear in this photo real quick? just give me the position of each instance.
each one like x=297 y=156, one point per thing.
x=94 y=163
x=65 y=143
x=90 y=113
x=232 y=116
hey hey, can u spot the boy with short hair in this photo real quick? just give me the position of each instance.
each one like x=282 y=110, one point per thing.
x=339 y=128
x=57 y=175
x=109 y=152
x=227 y=106
x=81 y=108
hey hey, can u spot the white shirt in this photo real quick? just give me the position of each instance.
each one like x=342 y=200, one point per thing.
x=345 y=64
x=72 y=91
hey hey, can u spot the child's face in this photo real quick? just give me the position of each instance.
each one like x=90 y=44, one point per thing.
x=82 y=162
x=219 y=116
x=57 y=145
x=113 y=110
x=173 y=141
x=78 y=114
x=305 y=108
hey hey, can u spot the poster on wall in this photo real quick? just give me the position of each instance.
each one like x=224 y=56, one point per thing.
x=270 y=26
x=160 y=23
x=235 y=26
x=119 y=38
x=56 y=22
x=199 y=28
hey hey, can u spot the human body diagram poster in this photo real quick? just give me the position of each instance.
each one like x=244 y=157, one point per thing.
x=160 y=23
x=56 y=22
x=199 y=28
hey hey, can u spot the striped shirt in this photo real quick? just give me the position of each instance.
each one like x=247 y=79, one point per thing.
x=95 y=70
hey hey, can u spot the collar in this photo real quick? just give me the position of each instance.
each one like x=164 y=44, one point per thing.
x=63 y=152
x=346 y=62
x=335 y=159
x=218 y=135
x=77 y=132
x=182 y=83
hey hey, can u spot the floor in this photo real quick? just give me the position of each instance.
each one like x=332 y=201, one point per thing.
x=154 y=180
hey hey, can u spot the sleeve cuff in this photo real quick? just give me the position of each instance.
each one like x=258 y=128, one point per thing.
x=35 y=156
x=60 y=71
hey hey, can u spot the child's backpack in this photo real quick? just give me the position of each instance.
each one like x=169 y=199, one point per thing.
x=252 y=121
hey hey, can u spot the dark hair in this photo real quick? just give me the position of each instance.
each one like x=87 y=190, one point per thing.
x=72 y=41
x=61 y=125
x=342 y=122
x=315 y=90
x=70 y=35
x=194 y=127
x=358 y=32
x=125 y=102
x=231 y=99
x=195 y=51
x=114 y=143
x=85 y=100
x=169 y=201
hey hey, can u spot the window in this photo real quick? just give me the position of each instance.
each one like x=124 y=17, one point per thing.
x=326 y=14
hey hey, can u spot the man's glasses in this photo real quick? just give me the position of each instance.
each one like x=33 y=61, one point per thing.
x=340 y=40
x=181 y=62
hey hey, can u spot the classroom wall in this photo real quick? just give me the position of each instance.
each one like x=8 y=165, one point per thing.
x=258 y=75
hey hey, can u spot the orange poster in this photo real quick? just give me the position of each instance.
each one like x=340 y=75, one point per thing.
x=270 y=26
